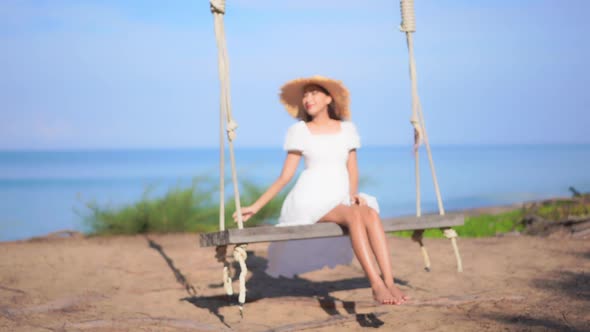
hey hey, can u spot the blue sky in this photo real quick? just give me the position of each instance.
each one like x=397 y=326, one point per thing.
x=143 y=74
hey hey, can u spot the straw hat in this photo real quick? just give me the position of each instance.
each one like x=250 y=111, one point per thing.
x=292 y=95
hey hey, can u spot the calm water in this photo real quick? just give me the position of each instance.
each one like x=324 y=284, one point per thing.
x=41 y=192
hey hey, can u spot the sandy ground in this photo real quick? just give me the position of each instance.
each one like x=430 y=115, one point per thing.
x=168 y=283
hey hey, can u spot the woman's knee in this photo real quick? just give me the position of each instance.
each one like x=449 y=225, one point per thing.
x=355 y=216
x=369 y=214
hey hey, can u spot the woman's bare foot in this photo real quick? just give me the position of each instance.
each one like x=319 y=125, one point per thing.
x=398 y=296
x=382 y=295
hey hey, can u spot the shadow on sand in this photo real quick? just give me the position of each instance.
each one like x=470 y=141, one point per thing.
x=575 y=285
x=258 y=288
x=527 y=323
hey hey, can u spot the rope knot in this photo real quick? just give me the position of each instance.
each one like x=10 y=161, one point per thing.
x=408 y=16
x=231 y=130
x=217 y=6
x=450 y=233
x=417 y=130
x=221 y=255
x=415 y=121
x=240 y=253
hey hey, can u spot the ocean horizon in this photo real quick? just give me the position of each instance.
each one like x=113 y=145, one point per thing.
x=42 y=191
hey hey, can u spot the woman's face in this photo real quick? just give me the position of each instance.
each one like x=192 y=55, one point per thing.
x=315 y=100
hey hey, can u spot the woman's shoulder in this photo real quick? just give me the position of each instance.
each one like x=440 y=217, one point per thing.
x=297 y=126
x=295 y=137
x=348 y=126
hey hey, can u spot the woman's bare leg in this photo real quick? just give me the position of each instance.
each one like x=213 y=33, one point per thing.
x=351 y=218
x=378 y=242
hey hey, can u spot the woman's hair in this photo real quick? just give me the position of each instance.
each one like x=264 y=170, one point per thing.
x=332 y=112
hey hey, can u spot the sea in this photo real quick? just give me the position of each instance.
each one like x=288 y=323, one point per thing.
x=46 y=191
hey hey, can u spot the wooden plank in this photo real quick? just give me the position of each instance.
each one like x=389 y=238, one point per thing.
x=274 y=233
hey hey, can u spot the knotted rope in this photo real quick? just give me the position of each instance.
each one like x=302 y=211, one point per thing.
x=408 y=16
x=227 y=122
x=218 y=10
x=221 y=255
x=408 y=26
x=240 y=255
x=451 y=234
x=417 y=237
x=217 y=6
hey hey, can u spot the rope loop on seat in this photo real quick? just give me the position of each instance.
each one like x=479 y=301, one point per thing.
x=450 y=233
x=241 y=255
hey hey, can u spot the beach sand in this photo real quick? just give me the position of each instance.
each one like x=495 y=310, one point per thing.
x=169 y=283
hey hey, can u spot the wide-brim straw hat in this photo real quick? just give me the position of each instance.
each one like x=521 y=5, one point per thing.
x=292 y=95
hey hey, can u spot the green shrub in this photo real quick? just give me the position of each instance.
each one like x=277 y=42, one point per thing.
x=194 y=209
x=480 y=226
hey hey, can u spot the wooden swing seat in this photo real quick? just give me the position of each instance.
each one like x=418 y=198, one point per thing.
x=319 y=230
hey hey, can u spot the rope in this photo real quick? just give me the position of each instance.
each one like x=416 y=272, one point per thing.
x=231 y=129
x=227 y=121
x=417 y=237
x=408 y=16
x=408 y=26
x=217 y=6
x=221 y=169
x=451 y=234
x=421 y=129
x=221 y=256
x=218 y=10
x=240 y=255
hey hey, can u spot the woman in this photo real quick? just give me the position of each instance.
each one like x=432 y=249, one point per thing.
x=327 y=190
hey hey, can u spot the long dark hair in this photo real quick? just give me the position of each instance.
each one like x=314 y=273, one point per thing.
x=332 y=113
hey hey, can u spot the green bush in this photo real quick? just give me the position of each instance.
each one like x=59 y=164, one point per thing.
x=480 y=226
x=562 y=208
x=194 y=209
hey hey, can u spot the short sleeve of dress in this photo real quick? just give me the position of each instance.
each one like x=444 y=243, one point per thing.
x=353 y=139
x=294 y=139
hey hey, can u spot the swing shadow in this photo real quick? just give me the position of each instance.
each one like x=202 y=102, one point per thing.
x=215 y=302
x=258 y=289
x=180 y=278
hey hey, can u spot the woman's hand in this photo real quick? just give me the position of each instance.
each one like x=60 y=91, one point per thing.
x=247 y=213
x=357 y=199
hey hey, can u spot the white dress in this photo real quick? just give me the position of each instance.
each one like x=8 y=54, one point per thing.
x=323 y=185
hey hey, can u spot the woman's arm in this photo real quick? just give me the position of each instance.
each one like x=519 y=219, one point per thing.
x=289 y=169
x=353 y=173
x=353 y=178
